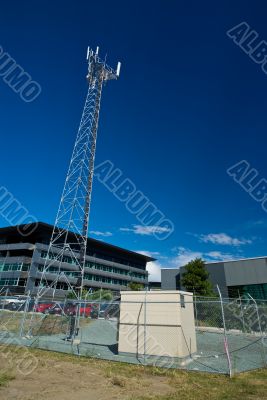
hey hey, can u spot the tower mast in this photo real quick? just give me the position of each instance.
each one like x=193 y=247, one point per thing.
x=69 y=238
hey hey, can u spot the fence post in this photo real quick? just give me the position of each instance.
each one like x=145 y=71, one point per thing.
x=225 y=335
x=3 y=306
x=145 y=327
x=26 y=307
x=259 y=322
x=257 y=311
x=195 y=307
x=242 y=312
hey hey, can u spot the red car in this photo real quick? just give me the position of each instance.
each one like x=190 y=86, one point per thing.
x=56 y=309
x=69 y=309
x=42 y=307
x=59 y=309
x=85 y=309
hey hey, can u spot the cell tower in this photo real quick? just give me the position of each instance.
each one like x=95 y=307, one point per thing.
x=74 y=207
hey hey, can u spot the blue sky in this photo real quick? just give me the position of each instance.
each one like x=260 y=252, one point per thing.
x=189 y=104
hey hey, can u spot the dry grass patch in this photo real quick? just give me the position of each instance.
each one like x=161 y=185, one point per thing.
x=74 y=378
x=119 y=381
x=5 y=378
x=36 y=323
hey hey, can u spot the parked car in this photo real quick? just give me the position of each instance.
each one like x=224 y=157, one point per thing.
x=14 y=306
x=105 y=311
x=31 y=305
x=55 y=309
x=71 y=309
x=95 y=310
x=85 y=309
x=42 y=307
x=17 y=306
x=112 y=311
x=68 y=309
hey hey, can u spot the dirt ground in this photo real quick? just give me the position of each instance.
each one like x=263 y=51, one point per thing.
x=30 y=374
x=64 y=377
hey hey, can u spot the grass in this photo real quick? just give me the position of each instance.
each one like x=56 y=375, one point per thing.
x=41 y=324
x=155 y=383
x=118 y=381
x=196 y=385
x=5 y=378
x=185 y=384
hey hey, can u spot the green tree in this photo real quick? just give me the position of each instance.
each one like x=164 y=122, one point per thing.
x=135 y=286
x=101 y=294
x=196 y=278
x=71 y=295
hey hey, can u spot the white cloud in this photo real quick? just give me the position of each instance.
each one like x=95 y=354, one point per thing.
x=219 y=256
x=153 y=267
x=98 y=233
x=185 y=255
x=153 y=254
x=182 y=257
x=154 y=271
x=223 y=239
x=215 y=254
x=146 y=230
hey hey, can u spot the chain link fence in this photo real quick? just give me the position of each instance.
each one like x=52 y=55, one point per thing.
x=228 y=336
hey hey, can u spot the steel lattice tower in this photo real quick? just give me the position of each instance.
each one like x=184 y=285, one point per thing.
x=74 y=207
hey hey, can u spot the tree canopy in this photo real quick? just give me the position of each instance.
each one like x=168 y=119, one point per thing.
x=196 y=278
x=100 y=294
x=135 y=286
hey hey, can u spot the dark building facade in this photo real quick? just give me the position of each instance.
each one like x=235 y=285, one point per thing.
x=24 y=248
x=154 y=285
x=235 y=278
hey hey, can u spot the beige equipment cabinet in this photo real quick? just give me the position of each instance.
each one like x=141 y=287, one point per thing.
x=157 y=323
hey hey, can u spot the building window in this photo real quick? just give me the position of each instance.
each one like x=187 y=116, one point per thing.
x=14 y=267
x=26 y=267
x=8 y=282
x=257 y=291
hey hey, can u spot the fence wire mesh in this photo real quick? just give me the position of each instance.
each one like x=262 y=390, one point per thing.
x=223 y=336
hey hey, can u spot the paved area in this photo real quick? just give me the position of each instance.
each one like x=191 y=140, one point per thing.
x=98 y=338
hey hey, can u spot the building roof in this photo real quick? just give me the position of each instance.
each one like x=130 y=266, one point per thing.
x=43 y=227
x=222 y=261
x=235 y=260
